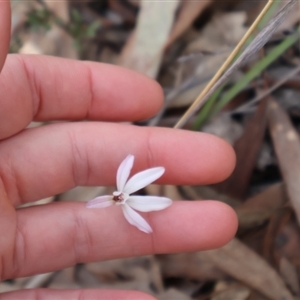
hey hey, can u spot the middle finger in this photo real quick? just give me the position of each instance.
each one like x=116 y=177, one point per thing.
x=45 y=161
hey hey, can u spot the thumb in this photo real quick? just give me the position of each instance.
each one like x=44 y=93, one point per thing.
x=4 y=30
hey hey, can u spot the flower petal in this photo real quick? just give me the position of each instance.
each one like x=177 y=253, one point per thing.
x=100 y=202
x=135 y=219
x=141 y=179
x=148 y=203
x=124 y=171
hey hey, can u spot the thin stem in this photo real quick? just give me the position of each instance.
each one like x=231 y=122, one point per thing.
x=255 y=71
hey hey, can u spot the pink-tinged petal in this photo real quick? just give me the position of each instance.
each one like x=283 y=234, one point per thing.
x=124 y=171
x=100 y=202
x=142 y=179
x=135 y=219
x=148 y=203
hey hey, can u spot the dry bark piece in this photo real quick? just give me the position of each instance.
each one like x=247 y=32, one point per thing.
x=287 y=147
x=242 y=263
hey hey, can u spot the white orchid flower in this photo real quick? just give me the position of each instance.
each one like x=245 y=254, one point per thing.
x=130 y=203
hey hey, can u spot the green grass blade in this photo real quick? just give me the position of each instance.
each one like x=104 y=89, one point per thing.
x=256 y=70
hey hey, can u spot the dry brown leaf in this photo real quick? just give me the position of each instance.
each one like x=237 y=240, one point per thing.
x=137 y=273
x=278 y=221
x=154 y=189
x=214 y=44
x=287 y=146
x=88 y=279
x=251 y=219
x=146 y=46
x=173 y=294
x=229 y=290
x=171 y=191
x=270 y=199
x=136 y=278
x=38 y=280
x=19 y=11
x=242 y=263
x=221 y=34
x=204 y=67
x=135 y=2
x=289 y=22
x=81 y=193
x=207 y=192
x=194 y=266
x=59 y=8
x=258 y=209
x=257 y=296
x=289 y=274
x=121 y=9
x=223 y=126
x=190 y=193
x=55 y=41
x=247 y=149
x=189 y=11
x=39 y=202
x=288 y=243
x=7 y=287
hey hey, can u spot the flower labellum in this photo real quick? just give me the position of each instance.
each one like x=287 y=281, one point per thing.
x=130 y=203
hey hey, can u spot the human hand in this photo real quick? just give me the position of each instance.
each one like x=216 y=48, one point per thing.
x=40 y=162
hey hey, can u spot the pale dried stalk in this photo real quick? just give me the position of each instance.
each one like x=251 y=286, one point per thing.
x=202 y=97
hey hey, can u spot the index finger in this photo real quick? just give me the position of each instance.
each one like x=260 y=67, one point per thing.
x=43 y=88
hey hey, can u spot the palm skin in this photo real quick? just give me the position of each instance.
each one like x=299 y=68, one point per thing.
x=40 y=162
